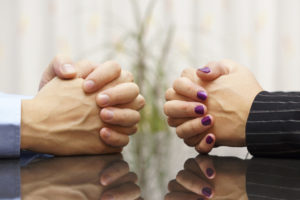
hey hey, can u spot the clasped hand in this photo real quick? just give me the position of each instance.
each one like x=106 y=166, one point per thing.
x=91 y=109
x=210 y=106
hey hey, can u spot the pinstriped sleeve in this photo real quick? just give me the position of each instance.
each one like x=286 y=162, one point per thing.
x=273 y=125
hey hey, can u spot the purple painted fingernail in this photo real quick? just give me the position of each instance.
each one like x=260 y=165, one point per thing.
x=209 y=172
x=204 y=69
x=209 y=139
x=206 y=191
x=202 y=95
x=206 y=121
x=199 y=110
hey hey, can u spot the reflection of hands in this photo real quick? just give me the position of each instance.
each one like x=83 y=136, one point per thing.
x=231 y=89
x=119 y=114
x=209 y=177
x=79 y=178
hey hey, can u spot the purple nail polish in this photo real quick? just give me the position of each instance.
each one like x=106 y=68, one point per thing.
x=209 y=172
x=202 y=95
x=206 y=191
x=206 y=121
x=204 y=69
x=209 y=139
x=199 y=110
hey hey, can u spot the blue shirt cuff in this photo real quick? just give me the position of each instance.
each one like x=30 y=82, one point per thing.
x=10 y=119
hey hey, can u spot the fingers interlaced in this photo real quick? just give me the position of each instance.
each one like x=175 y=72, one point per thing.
x=212 y=70
x=101 y=75
x=113 y=138
x=183 y=109
x=120 y=116
x=120 y=94
x=206 y=144
x=194 y=126
x=60 y=66
x=185 y=87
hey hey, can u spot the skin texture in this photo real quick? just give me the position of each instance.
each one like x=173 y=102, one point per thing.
x=68 y=125
x=227 y=179
x=92 y=127
x=231 y=89
x=113 y=82
x=79 y=178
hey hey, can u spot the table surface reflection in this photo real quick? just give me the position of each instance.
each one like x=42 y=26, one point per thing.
x=37 y=176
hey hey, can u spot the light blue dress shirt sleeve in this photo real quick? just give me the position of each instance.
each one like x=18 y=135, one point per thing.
x=10 y=119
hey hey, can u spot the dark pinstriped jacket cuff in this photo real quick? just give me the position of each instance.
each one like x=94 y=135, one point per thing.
x=272 y=179
x=273 y=125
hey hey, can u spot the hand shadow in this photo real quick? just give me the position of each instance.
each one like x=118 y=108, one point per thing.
x=212 y=177
x=84 y=177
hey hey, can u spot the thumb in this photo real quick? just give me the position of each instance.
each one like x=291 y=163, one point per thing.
x=61 y=67
x=212 y=71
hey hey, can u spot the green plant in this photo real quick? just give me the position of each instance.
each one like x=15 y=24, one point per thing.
x=149 y=147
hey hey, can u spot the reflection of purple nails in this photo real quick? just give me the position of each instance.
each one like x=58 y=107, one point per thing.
x=206 y=121
x=209 y=172
x=199 y=110
x=209 y=139
x=201 y=95
x=206 y=191
x=204 y=69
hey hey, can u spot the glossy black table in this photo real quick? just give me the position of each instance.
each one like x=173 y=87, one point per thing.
x=37 y=176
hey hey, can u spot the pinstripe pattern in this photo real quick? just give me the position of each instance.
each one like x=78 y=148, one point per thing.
x=273 y=126
x=273 y=179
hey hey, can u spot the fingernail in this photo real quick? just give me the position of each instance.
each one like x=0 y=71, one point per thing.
x=206 y=121
x=209 y=172
x=103 y=99
x=105 y=180
x=209 y=139
x=105 y=132
x=68 y=69
x=199 y=110
x=206 y=191
x=201 y=95
x=107 y=197
x=204 y=69
x=108 y=114
x=89 y=84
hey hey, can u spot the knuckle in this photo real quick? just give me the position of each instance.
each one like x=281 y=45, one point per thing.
x=186 y=71
x=134 y=129
x=177 y=83
x=138 y=117
x=130 y=76
x=188 y=142
x=170 y=122
x=185 y=108
x=166 y=108
x=135 y=88
x=189 y=88
x=141 y=101
x=169 y=94
x=115 y=65
x=179 y=131
x=126 y=141
x=194 y=127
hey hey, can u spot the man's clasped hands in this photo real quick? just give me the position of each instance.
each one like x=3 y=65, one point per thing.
x=85 y=108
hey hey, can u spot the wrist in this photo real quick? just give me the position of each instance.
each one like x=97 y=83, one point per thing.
x=26 y=122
